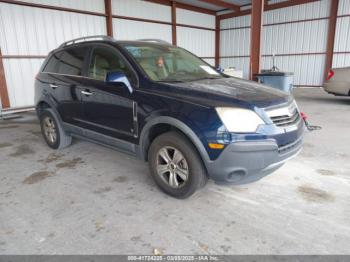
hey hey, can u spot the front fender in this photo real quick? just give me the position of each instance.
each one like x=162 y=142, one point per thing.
x=144 y=143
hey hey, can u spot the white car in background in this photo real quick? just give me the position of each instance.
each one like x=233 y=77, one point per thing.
x=338 y=81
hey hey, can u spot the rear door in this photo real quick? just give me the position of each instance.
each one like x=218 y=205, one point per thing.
x=49 y=79
x=109 y=108
x=69 y=81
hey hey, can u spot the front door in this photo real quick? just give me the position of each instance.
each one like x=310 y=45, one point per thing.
x=108 y=107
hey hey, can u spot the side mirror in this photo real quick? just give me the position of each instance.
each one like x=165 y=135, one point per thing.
x=219 y=69
x=118 y=77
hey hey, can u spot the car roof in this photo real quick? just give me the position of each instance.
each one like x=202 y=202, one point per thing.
x=111 y=41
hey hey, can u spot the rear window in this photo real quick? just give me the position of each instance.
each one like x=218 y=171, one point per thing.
x=52 y=64
x=72 y=61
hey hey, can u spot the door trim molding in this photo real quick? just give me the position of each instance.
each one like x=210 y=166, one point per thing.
x=102 y=139
x=102 y=126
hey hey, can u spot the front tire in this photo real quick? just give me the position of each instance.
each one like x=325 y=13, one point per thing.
x=175 y=165
x=52 y=130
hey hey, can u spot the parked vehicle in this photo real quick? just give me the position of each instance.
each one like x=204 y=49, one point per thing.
x=338 y=82
x=168 y=107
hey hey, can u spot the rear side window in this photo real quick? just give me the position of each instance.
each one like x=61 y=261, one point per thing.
x=72 y=61
x=52 y=64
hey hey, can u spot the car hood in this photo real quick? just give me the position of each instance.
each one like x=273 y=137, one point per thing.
x=228 y=90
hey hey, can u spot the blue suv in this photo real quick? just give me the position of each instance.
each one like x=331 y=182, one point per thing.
x=166 y=106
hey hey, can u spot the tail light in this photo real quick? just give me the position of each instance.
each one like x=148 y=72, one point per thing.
x=330 y=74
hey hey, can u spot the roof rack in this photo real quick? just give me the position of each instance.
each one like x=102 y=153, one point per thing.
x=154 y=41
x=88 y=38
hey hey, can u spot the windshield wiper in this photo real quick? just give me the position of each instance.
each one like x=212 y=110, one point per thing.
x=170 y=81
x=206 y=78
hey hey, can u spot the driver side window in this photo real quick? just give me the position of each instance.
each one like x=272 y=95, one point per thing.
x=106 y=60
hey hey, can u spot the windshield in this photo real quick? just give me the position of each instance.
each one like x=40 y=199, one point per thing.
x=170 y=64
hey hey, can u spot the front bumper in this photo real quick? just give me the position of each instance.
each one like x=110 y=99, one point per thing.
x=248 y=161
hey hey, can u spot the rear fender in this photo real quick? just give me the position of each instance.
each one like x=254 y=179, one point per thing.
x=46 y=98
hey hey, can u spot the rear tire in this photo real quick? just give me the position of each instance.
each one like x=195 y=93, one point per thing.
x=176 y=166
x=52 y=130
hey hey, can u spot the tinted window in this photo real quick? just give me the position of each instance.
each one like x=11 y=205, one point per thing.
x=106 y=60
x=52 y=64
x=72 y=61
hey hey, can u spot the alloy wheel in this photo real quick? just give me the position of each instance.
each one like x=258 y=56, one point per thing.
x=172 y=167
x=50 y=129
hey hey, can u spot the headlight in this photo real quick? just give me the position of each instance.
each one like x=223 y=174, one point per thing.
x=239 y=120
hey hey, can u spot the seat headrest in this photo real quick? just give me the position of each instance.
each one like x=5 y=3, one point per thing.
x=101 y=62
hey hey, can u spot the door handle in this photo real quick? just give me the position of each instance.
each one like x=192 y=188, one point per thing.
x=53 y=86
x=87 y=93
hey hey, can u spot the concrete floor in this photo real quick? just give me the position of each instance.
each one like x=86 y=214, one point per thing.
x=88 y=199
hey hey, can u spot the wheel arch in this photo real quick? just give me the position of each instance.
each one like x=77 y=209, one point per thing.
x=41 y=106
x=46 y=102
x=166 y=123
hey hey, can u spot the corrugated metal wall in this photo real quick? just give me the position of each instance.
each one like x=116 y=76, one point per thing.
x=305 y=40
x=194 y=18
x=131 y=30
x=297 y=35
x=141 y=9
x=235 y=43
x=36 y=31
x=86 y=5
x=32 y=31
x=341 y=56
x=199 y=41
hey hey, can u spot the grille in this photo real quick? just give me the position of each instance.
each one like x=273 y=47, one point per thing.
x=290 y=146
x=286 y=120
x=284 y=116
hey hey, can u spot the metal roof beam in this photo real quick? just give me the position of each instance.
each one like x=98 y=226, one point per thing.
x=268 y=8
x=183 y=6
x=222 y=3
x=331 y=36
x=255 y=36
